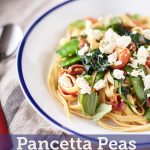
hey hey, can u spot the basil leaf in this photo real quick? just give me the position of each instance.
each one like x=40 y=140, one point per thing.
x=89 y=103
x=102 y=110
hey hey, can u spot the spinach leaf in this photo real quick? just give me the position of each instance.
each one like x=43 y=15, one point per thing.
x=120 y=29
x=95 y=61
x=89 y=103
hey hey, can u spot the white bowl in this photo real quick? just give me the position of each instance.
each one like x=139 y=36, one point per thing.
x=38 y=47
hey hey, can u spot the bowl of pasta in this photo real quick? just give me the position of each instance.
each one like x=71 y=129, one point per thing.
x=85 y=66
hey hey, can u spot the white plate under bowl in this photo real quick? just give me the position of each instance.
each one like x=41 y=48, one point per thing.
x=38 y=47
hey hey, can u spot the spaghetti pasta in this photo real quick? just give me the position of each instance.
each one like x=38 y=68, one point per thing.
x=102 y=72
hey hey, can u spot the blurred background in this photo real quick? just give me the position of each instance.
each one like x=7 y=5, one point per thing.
x=19 y=115
x=23 y=12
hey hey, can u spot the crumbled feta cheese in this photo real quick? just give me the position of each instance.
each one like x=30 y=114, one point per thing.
x=148 y=95
x=118 y=74
x=86 y=89
x=93 y=43
x=119 y=62
x=138 y=72
x=134 y=63
x=83 y=85
x=83 y=50
x=123 y=41
x=100 y=55
x=142 y=74
x=111 y=36
x=135 y=73
x=112 y=40
x=142 y=55
x=112 y=58
x=81 y=82
x=146 y=34
x=94 y=34
x=134 y=32
x=108 y=49
x=65 y=81
x=88 y=24
x=146 y=81
x=89 y=54
x=100 y=84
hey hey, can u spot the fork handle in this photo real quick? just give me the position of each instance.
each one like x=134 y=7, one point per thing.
x=3 y=126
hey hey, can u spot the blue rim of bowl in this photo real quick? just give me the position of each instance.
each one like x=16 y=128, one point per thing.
x=22 y=81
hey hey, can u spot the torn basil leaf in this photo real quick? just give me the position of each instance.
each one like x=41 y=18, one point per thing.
x=89 y=103
x=102 y=110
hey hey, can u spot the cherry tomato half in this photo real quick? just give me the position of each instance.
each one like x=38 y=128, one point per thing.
x=123 y=57
x=148 y=62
